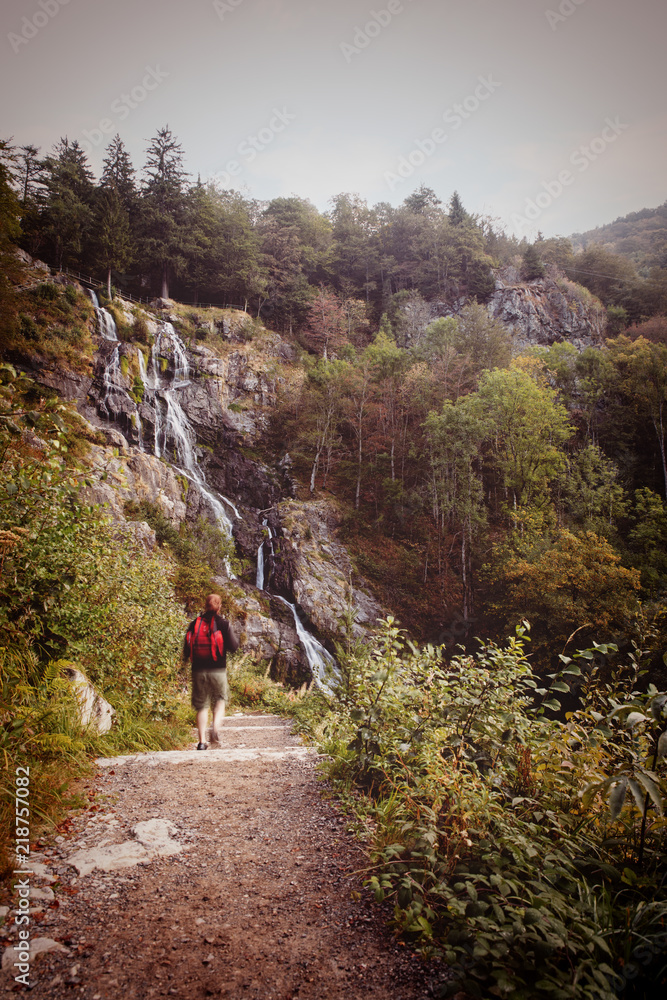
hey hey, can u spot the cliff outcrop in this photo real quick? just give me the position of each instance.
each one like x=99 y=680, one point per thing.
x=547 y=310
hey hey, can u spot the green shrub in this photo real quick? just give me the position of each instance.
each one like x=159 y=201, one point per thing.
x=47 y=291
x=526 y=851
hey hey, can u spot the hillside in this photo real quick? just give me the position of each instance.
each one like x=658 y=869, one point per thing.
x=639 y=236
x=472 y=475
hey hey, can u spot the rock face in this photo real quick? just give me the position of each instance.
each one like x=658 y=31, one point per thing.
x=313 y=566
x=546 y=311
x=181 y=423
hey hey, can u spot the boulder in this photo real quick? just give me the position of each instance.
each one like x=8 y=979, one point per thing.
x=94 y=711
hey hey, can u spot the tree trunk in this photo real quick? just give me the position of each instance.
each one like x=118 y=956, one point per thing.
x=109 y=284
x=660 y=431
x=464 y=571
x=315 y=467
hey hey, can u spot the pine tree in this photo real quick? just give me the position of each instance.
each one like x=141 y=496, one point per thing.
x=532 y=266
x=113 y=250
x=118 y=174
x=163 y=207
x=457 y=213
x=70 y=191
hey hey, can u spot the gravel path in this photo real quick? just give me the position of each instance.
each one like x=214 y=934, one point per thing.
x=243 y=885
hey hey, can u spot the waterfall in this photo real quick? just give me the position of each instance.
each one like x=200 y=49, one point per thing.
x=105 y=321
x=111 y=375
x=177 y=428
x=260 y=558
x=322 y=664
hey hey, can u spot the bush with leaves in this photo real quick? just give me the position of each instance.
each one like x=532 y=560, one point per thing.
x=72 y=586
x=491 y=830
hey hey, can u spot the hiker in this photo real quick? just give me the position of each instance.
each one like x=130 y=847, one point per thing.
x=207 y=641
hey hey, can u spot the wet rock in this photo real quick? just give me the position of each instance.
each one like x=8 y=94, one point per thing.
x=316 y=568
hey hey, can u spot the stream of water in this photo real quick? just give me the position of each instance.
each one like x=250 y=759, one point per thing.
x=322 y=664
x=105 y=321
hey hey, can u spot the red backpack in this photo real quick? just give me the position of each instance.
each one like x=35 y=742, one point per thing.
x=204 y=640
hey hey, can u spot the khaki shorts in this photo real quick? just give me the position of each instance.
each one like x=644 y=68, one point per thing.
x=208 y=686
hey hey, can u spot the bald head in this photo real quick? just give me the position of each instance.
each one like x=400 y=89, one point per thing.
x=213 y=602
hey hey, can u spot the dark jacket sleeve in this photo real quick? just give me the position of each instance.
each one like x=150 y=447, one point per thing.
x=186 y=650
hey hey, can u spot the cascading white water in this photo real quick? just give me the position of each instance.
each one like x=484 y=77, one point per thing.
x=260 y=559
x=177 y=427
x=322 y=664
x=105 y=321
x=112 y=374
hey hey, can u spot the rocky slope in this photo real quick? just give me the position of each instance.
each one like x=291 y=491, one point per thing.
x=181 y=424
x=547 y=310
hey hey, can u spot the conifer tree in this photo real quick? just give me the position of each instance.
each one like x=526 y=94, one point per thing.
x=532 y=266
x=118 y=174
x=113 y=250
x=68 y=216
x=163 y=207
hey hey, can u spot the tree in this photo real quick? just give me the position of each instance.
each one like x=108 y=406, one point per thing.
x=118 y=174
x=455 y=437
x=642 y=366
x=10 y=232
x=200 y=239
x=648 y=540
x=163 y=207
x=326 y=325
x=68 y=216
x=113 y=238
x=591 y=493
x=457 y=213
x=561 y=584
x=31 y=168
x=326 y=380
x=486 y=341
x=527 y=428
x=532 y=266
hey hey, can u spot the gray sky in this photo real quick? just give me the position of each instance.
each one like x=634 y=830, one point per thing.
x=545 y=114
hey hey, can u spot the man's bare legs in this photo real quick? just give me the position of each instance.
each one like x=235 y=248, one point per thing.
x=218 y=718
x=202 y=720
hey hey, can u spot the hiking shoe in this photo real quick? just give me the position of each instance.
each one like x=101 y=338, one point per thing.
x=215 y=738
x=202 y=746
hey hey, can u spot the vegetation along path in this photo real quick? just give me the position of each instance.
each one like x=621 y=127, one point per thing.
x=217 y=873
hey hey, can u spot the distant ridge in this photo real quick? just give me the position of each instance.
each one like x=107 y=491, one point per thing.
x=639 y=236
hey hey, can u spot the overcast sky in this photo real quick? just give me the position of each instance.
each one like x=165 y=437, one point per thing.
x=545 y=114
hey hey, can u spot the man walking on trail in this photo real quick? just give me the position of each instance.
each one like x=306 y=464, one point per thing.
x=207 y=641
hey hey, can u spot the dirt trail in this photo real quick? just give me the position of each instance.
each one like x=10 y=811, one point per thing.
x=256 y=900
